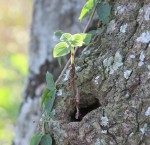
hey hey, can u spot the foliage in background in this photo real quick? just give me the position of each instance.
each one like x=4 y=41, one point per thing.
x=13 y=62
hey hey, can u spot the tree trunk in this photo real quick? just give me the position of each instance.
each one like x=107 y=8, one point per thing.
x=113 y=79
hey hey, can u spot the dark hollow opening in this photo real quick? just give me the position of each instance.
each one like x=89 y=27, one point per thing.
x=84 y=111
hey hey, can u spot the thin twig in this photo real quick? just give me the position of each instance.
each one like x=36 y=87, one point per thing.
x=67 y=64
x=90 y=19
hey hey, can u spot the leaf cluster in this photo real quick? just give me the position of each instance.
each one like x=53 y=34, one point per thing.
x=48 y=99
x=103 y=10
x=49 y=94
x=37 y=139
x=68 y=41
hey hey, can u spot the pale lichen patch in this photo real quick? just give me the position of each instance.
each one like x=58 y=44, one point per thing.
x=96 y=80
x=54 y=112
x=66 y=75
x=108 y=61
x=77 y=68
x=112 y=26
x=124 y=8
x=121 y=9
x=104 y=131
x=127 y=74
x=123 y=28
x=104 y=121
x=59 y=93
x=140 y=63
x=131 y=134
x=117 y=63
x=144 y=37
x=147 y=113
x=100 y=142
x=132 y=56
x=144 y=129
x=112 y=64
x=118 y=59
x=142 y=57
x=147 y=14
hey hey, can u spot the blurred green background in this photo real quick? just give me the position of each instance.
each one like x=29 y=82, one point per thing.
x=15 y=18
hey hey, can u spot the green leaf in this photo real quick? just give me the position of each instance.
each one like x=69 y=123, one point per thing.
x=86 y=9
x=60 y=61
x=61 y=49
x=47 y=108
x=50 y=82
x=50 y=102
x=77 y=40
x=103 y=11
x=45 y=96
x=35 y=140
x=53 y=95
x=65 y=37
x=58 y=34
x=86 y=38
x=92 y=32
x=46 y=140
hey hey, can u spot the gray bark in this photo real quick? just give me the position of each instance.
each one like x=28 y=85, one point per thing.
x=113 y=78
x=112 y=75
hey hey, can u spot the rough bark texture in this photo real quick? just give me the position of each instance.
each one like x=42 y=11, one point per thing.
x=113 y=78
x=48 y=16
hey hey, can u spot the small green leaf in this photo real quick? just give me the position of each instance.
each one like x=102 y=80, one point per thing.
x=103 y=11
x=50 y=102
x=86 y=9
x=86 y=38
x=45 y=96
x=65 y=37
x=47 y=108
x=53 y=95
x=46 y=140
x=61 y=49
x=58 y=34
x=60 y=61
x=77 y=40
x=35 y=140
x=50 y=82
x=92 y=32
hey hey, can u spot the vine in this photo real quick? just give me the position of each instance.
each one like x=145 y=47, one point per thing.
x=68 y=44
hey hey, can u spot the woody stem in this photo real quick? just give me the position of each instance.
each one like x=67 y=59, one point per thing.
x=72 y=55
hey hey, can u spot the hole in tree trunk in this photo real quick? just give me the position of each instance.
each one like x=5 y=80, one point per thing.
x=85 y=110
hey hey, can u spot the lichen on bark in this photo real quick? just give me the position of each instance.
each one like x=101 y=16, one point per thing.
x=114 y=89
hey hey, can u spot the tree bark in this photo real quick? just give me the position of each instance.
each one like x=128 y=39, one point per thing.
x=113 y=79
